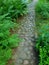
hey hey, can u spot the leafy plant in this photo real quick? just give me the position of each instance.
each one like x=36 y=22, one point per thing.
x=42 y=10
x=10 y=10
x=8 y=40
x=5 y=35
x=14 y=8
x=42 y=43
x=43 y=48
x=5 y=55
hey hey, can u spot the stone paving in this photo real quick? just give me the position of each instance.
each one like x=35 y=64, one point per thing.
x=25 y=54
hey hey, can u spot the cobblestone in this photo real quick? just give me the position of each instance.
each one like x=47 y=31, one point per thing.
x=25 y=53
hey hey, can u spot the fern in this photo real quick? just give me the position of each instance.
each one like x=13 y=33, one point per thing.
x=7 y=40
x=14 y=8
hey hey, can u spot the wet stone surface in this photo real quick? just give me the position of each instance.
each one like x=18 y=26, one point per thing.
x=25 y=53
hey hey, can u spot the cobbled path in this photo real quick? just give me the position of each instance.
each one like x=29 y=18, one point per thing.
x=25 y=54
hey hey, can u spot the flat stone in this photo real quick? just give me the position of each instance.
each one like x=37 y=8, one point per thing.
x=26 y=62
x=19 y=61
x=25 y=52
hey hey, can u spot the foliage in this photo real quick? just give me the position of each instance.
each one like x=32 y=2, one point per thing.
x=14 y=8
x=42 y=10
x=10 y=10
x=5 y=37
x=5 y=55
x=7 y=40
x=43 y=45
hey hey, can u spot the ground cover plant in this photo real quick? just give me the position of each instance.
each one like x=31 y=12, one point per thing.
x=42 y=23
x=10 y=10
x=7 y=40
x=14 y=8
x=42 y=9
x=43 y=45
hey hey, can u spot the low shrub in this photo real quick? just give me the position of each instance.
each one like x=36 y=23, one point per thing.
x=10 y=10
x=5 y=55
x=43 y=45
x=7 y=40
x=42 y=23
x=14 y=8
x=42 y=10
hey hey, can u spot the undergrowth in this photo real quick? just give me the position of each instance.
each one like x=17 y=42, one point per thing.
x=13 y=8
x=10 y=10
x=42 y=26
x=7 y=40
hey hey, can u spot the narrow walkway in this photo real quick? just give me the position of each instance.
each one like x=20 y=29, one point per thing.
x=25 y=53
